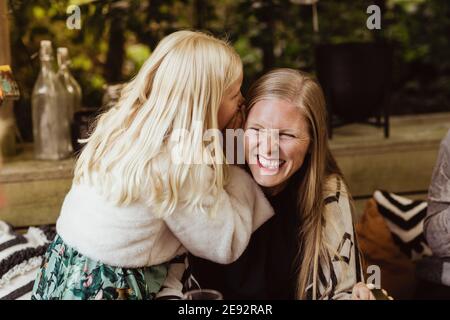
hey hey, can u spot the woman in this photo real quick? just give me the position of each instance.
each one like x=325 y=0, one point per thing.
x=307 y=250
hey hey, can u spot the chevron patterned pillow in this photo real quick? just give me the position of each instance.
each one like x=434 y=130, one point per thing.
x=404 y=217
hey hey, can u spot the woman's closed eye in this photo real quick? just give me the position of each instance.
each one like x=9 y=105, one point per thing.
x=281 y=134
x=287 y=135
x=236 y=96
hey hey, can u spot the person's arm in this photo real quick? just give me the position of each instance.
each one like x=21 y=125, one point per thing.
x=346 y=269
x=437 y=222
x=224 y=237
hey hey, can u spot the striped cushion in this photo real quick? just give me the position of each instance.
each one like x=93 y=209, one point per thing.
x=405 y=218
x=20 y=259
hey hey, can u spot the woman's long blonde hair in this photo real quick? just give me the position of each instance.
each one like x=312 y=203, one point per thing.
x=303 y=90
x=181 y=85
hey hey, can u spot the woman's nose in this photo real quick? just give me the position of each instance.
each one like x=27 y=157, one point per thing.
x=269 y=143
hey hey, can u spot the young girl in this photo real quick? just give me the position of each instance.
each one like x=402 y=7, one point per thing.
x=132 y=210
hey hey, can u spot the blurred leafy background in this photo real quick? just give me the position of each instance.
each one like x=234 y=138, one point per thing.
x=117 y=36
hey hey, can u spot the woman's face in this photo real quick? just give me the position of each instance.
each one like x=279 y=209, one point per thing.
x=277 y=141
x=230 y=103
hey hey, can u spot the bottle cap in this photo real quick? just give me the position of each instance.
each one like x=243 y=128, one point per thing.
x=63 y=56
x=46 y=51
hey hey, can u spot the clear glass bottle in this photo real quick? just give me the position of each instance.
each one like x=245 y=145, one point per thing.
x=71 y=85
x=51 y=128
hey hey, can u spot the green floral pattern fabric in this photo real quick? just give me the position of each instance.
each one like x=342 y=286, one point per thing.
x=67 y=274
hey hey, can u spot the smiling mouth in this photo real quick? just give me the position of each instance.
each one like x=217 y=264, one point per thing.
x=269 y=164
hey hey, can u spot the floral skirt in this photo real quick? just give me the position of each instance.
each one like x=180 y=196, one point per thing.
x=67 y=274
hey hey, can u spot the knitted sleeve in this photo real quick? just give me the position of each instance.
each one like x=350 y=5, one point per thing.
x=437 y=222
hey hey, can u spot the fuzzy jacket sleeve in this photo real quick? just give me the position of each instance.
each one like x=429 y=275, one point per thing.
x=223 y=238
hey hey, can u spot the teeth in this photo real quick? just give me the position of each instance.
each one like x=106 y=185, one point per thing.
x=270 y=164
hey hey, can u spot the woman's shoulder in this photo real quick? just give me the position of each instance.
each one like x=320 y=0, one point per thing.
x=337 y=200
x=334 y=189
x=445 y=143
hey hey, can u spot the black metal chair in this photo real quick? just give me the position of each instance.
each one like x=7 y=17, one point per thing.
x=356 y=78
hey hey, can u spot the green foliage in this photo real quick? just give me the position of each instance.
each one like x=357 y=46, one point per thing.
x=118 y=35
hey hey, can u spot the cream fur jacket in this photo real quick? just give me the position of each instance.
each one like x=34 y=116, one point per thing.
x=132 y=236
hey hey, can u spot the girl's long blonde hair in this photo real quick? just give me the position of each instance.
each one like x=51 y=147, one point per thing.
x=304 y=91
x=181 y=85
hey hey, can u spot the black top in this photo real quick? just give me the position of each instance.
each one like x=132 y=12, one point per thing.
x=266 y=269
